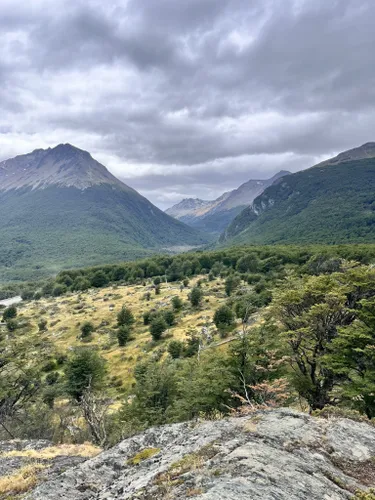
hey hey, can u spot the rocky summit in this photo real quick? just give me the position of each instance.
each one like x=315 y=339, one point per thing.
x=279 y=454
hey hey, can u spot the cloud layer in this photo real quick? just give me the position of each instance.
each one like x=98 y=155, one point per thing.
x=188 y=98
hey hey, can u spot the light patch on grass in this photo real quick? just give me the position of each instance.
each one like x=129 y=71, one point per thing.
x=20 y=481
x=86 y=450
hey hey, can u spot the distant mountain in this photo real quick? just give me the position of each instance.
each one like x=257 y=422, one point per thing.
x=214 y=216
x=333 y=202
x=61 y=208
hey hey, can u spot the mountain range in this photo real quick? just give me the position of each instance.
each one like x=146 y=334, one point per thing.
x=215 y=215
x=61 y=208
x=332 y=202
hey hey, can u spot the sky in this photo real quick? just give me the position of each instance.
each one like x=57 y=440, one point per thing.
x=188 y=98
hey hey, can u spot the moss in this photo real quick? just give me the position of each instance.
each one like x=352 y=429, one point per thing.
x=143 y=455
x=365 y=495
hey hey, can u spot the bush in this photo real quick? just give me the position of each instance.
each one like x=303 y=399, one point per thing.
x=125 y=317
x=42 y=325
x=157 y=289
x=169 y=317
x=10 y=313
x=175 y=348
x=176 y=303
x=12 y=325
x=123 y=335
x=196 y=296
x=158 y=327
x=86 y=368
x=223 y=317
x=87 y=329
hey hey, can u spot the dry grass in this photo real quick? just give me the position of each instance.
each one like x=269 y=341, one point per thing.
x=102 y=305
x=68 y=450
x=21 y=480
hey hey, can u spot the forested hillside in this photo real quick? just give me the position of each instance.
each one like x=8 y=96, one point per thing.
x=331 y=203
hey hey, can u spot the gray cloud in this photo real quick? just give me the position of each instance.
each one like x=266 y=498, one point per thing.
x=188 y=98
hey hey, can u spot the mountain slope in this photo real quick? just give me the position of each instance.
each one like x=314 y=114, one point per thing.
x=60 y=207
x=332 y=202
x=214 y=216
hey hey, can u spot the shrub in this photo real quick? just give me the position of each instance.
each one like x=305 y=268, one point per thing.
x=176 y=303
x=10 y=313
x=87 y=329
x=125 y=317
x=223 y=317
x=86 y=368
x=42 y=325
x=196 y=296
x=123 y=335
x=158 y=327
x=169 y=317
x=175 y=348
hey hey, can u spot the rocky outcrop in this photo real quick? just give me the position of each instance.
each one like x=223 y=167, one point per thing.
x=279 y=454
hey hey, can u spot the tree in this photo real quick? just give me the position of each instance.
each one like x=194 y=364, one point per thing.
x=175 y=348
x=87 y=329
x=158 y=327
x=85 y=369
x=196 y=296
x=123 y=335
x=157 y=289
x=99 y=279
x=125 y=317
x=12 y=325
x=176 y=303
x=352 y=357
x=223 y=317
x=231 y=283
x=313 y=312
x=169 y=317
x=10 y=313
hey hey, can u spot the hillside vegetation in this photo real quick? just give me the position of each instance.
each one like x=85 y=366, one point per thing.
x=330 y=203
x=100 y=353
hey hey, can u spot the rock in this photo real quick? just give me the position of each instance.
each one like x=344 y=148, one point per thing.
x=271 y=455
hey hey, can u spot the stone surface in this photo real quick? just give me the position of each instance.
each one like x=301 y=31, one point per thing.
x=275 y=455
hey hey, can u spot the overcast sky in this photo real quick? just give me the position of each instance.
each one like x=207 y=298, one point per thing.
x=185 y=98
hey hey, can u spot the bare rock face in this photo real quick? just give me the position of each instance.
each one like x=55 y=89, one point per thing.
x=279 y=454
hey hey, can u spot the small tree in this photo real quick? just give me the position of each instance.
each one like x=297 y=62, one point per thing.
x=175 y=348
x=42 y=325
x=157 y=289
x=123 y=335
x=85 y=369
x=169 y=317
x=10 y=313
x=185 y=282
x=158 y=327
x=87 y=329
x=125 y=317
x=231 y=283
x=12 y=325
x=223 y=317
x=196 y=296
x=176 y=303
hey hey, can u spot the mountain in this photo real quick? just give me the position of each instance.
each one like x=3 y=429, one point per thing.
x=332 y=202
x=214 y=216
x=61 y=208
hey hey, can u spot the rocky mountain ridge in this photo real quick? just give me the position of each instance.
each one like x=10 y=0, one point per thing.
x=63 y=166
x=277 y=454
x=215 y=215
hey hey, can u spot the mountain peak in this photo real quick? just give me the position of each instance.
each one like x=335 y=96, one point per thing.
x=63 y=165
